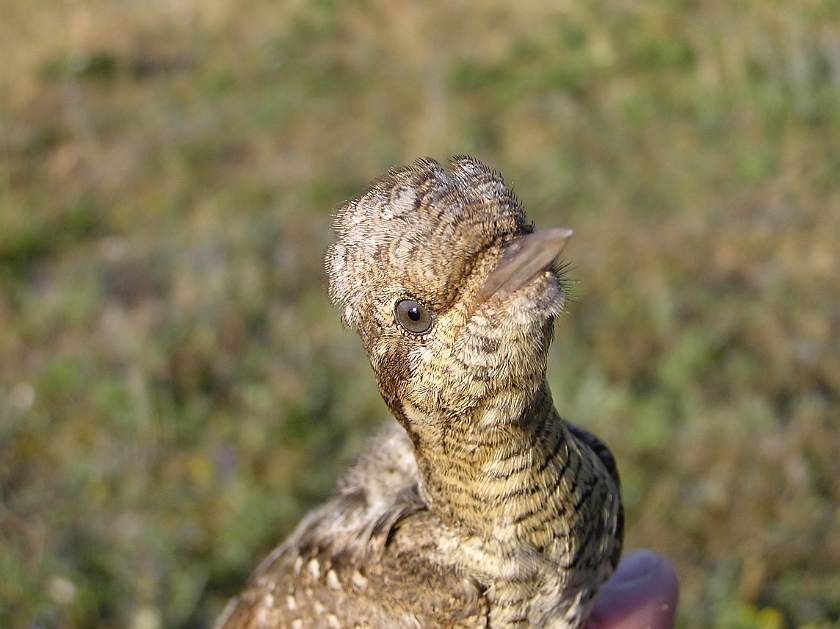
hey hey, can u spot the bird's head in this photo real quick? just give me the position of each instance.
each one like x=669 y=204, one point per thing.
x=453 y=293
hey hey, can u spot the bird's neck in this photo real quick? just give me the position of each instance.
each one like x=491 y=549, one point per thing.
x=495 y=470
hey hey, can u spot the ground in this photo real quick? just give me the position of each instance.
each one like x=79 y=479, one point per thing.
x=176 y=390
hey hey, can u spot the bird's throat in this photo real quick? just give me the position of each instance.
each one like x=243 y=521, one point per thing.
x=489 y=473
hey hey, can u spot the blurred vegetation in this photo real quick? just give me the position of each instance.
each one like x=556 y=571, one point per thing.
x=176 y=390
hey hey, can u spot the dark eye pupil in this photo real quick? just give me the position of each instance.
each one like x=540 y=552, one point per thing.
x=413 y=316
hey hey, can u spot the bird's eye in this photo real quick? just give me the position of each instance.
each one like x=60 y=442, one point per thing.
x=413 y=316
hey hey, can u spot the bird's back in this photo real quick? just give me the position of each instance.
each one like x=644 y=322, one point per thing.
x=369 y=557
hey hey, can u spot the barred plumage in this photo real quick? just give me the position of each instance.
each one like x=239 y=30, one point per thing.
x=482 y=508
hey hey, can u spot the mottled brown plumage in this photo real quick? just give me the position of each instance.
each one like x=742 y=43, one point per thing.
x=482 y=508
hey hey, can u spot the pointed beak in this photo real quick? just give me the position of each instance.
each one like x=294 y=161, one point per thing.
x=524 y=259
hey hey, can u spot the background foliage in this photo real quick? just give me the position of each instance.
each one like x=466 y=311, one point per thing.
x=176 y=390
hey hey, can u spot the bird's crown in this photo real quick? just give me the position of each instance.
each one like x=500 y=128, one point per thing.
x=423 y=225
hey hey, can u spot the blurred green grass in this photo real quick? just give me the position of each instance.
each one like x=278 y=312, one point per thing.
x=176 y=390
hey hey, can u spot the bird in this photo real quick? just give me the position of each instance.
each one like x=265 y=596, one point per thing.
x=477 y=505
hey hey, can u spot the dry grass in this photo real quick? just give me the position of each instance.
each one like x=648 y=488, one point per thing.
x=175 y=390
